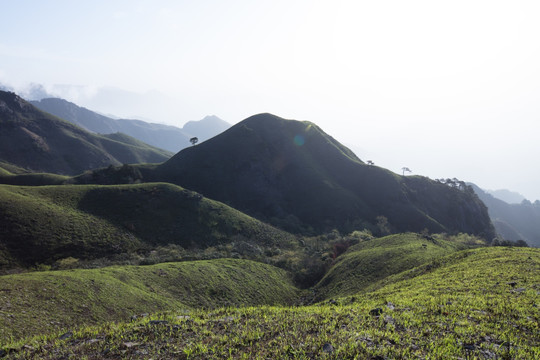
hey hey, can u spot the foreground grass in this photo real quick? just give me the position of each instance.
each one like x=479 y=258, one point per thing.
x=480 y=303
x=56 y=301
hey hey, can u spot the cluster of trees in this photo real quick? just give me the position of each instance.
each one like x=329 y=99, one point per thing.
x=455 y=183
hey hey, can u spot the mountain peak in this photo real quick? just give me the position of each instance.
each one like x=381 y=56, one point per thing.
x=206 y=128
x=294 y=175
x=10 y=102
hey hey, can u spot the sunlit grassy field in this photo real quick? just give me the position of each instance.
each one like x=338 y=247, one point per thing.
x=479 y=303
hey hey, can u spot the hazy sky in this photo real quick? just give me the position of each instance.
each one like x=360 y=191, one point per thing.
x=446 y=88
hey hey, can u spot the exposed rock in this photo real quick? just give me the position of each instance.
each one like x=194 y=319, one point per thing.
x=130 y=344
x=158 y=322
x=328 y=348
x=376 y=312
x=66 y=335
x=512 y=283
x=226 y=319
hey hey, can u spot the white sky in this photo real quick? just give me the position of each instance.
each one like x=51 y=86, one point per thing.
x=446 y=88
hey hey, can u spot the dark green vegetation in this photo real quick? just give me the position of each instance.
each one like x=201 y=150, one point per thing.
x=40 y=142
x=162 y=136
x=47 y=302
x=295 y=176
x=513 y=221
x=41 y=225
x=480 y=303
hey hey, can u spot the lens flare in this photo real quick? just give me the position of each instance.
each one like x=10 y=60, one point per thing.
x=299 y=140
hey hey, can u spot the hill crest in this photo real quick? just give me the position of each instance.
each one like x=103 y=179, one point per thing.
x=294 y=175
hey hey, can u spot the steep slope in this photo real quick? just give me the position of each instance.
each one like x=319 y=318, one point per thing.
x=41 y=225
x=47 y=302
x=513 y=221
x=166 y=137
x=40 y=142
x=294 y=175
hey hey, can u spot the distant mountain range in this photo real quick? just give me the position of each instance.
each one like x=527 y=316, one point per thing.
x=166 y=137
x=40 y=142
x=510 y=197
x=513 y=221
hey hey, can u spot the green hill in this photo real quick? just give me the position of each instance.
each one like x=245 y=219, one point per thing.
x=50 y=223
x=480 y=303
x=15 y=175
x=40 y=142
x=58 y=301
x=297 y=177
x=364 y=265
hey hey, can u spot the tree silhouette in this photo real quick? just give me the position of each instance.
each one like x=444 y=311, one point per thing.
x=369 y=162
x=194 y=140
x=405 y=169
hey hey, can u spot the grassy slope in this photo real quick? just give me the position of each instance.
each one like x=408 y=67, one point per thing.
x=53 y=301
x=480 y=303
x=44 y=224
x=366 y=263
x=14 y=175
x=9 y=169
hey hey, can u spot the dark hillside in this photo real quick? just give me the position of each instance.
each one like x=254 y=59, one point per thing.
x=41 y=225
x=40 y=142
x=296 y=176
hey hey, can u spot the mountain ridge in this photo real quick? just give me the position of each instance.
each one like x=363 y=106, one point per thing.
x=168 y=137
x=513 y=221
x=41 y=142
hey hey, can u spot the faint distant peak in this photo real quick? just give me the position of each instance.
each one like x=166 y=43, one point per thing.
x=208 y=119
x=208 y=127
x=510 y=197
